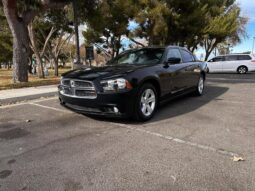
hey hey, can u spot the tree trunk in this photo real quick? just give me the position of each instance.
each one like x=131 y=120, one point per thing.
x=51 y=63
x=20 y=53
x=56 y=66
x=20 y=42
x=207 y=54
x=34 y=46
x=40 y=66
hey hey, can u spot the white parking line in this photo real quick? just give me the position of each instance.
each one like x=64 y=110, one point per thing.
x=177 y=140
x=52 y=108
x=46 y=99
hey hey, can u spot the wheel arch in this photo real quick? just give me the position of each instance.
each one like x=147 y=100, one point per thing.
x=155 y=82
x=242 y=66
x=203 y=73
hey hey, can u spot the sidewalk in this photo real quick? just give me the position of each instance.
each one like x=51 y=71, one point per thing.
x=22 y=94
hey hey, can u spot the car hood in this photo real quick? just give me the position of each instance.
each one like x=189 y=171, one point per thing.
x=102 y=72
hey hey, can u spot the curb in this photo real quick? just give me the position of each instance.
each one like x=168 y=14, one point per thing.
x=26 y=98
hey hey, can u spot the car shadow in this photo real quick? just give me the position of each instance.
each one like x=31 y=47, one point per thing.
x=176 y=107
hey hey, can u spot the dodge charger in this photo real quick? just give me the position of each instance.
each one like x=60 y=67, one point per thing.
x=134 y=83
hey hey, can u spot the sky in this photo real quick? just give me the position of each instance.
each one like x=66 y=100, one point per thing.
x=248 y=10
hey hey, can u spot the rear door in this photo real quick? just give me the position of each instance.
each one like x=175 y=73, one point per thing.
x=231 y=64
x=192 y=68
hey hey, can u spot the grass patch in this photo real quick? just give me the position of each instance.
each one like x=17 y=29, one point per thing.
x=33 y=81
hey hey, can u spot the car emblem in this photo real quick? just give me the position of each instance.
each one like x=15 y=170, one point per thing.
x=72 y=83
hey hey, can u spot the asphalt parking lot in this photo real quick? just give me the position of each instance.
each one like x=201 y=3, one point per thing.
x=188 y=145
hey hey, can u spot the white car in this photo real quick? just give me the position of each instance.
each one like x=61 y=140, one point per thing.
x=240 y=63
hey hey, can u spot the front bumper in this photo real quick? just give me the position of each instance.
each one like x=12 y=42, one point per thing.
x=105 y=104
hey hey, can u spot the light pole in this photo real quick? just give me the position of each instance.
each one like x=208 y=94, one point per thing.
x=253 y=43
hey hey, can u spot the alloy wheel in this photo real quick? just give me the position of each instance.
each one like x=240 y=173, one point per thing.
x=201 y=85
x=242 y=70
x=148 y=102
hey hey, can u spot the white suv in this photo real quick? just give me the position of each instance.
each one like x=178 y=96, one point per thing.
x=240 y=63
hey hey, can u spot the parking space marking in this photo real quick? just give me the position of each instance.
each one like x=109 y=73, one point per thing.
x=46 y=99
x=52 y=108
x=177 y=140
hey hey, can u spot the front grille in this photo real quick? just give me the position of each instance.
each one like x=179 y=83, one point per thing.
x=78 y=88
x=83 y=84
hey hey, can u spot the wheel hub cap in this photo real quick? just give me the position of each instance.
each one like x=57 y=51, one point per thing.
x=242 y=70
x=201 y=85
x=148 y=102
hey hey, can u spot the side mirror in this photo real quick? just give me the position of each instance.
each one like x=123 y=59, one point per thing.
x=173 y=60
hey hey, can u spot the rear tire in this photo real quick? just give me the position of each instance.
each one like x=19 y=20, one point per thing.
x=146 y=103
x=200 y=86
x=242 y=70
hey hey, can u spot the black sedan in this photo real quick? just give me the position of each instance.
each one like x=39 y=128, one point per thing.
x=134 y=83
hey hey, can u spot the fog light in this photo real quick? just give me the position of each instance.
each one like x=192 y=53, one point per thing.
x=116 y=110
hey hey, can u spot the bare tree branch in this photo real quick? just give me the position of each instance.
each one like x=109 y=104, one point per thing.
x=136 y=42
x=47 y=39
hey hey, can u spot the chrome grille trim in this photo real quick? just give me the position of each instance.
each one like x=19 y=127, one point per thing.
x=71 y=86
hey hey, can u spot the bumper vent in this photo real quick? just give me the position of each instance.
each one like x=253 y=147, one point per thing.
x=77 y=89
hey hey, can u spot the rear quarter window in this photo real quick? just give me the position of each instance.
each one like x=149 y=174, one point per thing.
x=244 y=57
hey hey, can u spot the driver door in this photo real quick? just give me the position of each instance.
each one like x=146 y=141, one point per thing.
x=216 y=64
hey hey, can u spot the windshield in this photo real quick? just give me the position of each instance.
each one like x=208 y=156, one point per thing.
x=141 y=56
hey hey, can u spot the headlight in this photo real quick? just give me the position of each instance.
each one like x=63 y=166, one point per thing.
x=116 y=84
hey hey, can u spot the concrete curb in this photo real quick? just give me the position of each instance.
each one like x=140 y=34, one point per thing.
x=26 y=98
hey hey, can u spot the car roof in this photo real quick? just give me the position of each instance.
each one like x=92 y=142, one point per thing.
x=169 y=46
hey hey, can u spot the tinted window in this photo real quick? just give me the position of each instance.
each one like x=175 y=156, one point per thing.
x=186 y=56
x=140 y=56
x=218 y=59
x=244 y=57
x=174 y=53
x=231 y=58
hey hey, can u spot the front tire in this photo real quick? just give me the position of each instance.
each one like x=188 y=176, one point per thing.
x=200 y=86
x=146 y=103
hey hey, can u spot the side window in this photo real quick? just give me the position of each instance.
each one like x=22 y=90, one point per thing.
x=187 y=57
x=218 y=59
x=174 y=53
x=231 y=58
x=244 y=57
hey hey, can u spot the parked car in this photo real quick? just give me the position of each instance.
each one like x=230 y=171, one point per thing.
x=240 y=63
x=133 y=83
